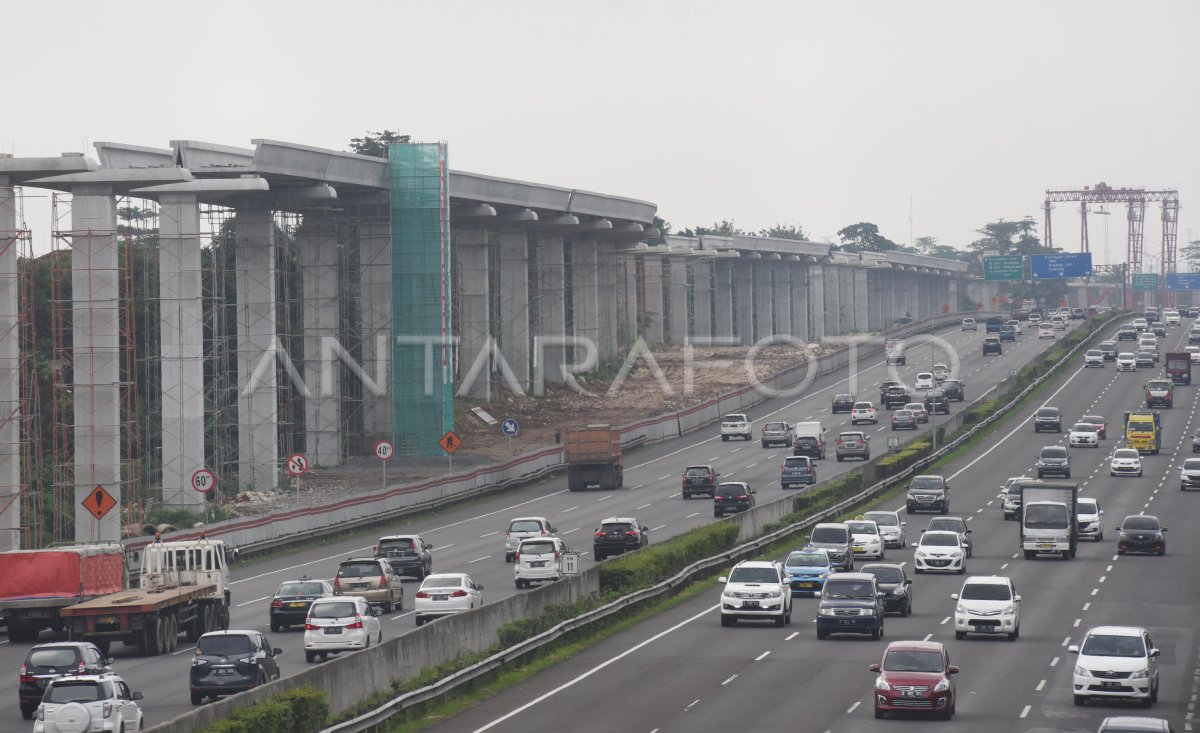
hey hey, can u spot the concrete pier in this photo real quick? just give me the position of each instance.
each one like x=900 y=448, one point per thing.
x=374 y=230
x=653 y=302
x=723 y=295
x=798 y=299
x=10 y=373
x=549 y=358
x=702 y=299
x=743 y=300
x=317 y=241
x=257 y=345
x=678 y=294
x=514 y=305
x=474 y=308
x=862 y=300
x=585 y=294
x=816 y=302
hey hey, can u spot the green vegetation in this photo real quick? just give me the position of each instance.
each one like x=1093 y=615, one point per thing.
x=299 y=710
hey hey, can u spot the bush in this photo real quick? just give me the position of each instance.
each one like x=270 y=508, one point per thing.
x=656 y=563
x=267 y=716
x=228 y=725
x=310 y=708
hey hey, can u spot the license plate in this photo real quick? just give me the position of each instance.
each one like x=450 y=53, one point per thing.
x=1046 y=546
x=296 y=604
x=358 y=586
x=439 y=598
x=806 y=585
x=223 y=672
x=911 y=693
x=106 y=620
x=1110 y=685
x=333 y=630
x=750 y=604
x=845 y=622
x=859 y=548
x=538 y=564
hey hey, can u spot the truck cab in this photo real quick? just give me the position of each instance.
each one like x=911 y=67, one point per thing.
x=183 y=562
x=1143 y=431
x=1160 y=393
x=1048 y=517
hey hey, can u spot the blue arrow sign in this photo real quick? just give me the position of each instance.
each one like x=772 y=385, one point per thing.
x=510 y=427
x=1063 y=264
x=1183 y=281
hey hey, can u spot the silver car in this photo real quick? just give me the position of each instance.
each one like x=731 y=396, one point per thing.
x=523 y=528
x=891 y=527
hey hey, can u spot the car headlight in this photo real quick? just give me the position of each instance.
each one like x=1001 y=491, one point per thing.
x=825 y=612
x=199 y=662
x=919 y=553
x=882 y=684
x=1081 y=672
x=866 y=612
x=1141 y=674
x=899 y=591
x=1009 y=609
x=728 y=594
x=955 y=555
x=822 y=576
x=960 y=609
x=942 y=686
x=775 y=593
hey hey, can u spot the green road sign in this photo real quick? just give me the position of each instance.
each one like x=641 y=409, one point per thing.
x=1004 y=267
x=1146 y=282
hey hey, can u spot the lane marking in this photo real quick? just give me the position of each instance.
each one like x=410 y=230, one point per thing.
x=643 y=506
x=182 y=651
x=693 y=514
x=689 y=707
x=1040 y=686
x=490 y=534
x=569 y=531
x=1026 y=711
x=256 y=600
x=853 y=707
x=564 y=511
x=655 y=529
x=945 y=621
x=731 y=679
x=478 y=559
x=762 y=656
x=792 y=635
x=1054 y=662
x=407 y=613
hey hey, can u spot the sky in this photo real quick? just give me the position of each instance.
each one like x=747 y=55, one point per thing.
x=925 y=118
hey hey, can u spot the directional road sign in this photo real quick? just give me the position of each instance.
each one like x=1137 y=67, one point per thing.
x=1183 y=281
x=1060 y=265
x=297 y=464
x=204 y=480
x=1145 y=282
x=383 y=450
x=511 y=427
x=99 y=502
x=1004 y=267
x=450 y=441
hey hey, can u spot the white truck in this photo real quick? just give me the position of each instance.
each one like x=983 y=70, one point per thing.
x=893 y=350
x=1048 y=518
x=736 y=425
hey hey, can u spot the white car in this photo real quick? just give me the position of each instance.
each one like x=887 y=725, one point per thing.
x=1093 y=358
x=863 y=412
x=987 y=604
x=1125 y=462
x=865 y=538
x=756 y=589
x=92 y=702
x=891 y=527
x=924 y=381
x=1059 y=322
x=1046 y=331
x=1193 y=353
x=1010 y=496
x=1126 y=362
x=1141 y=324
x=1083 y=435
x=443 y=594
x=1171 y=318
x=1016 y=326
x=1035 y=318
x=736 y=425
x=1090 y=518
x=1189 y=474
x=940 y=551
x=969 y=324
x=1123 y=653
x=340 y=624
x=522 y=528
x=941 y=372
x=539 y=560
x=1148 y=343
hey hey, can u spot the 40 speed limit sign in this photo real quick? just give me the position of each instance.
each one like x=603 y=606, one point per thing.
x=204 y=481
x=384 y=450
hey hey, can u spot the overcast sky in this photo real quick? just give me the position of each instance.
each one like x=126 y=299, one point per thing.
x=817 y=114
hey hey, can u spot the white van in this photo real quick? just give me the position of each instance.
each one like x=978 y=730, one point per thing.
x=539 y=560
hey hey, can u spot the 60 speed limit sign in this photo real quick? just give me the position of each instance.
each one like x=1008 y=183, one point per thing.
x=384 y=450
x=204 y=481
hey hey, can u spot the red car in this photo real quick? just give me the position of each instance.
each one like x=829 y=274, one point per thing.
x=915 y=675
x=1100 y=423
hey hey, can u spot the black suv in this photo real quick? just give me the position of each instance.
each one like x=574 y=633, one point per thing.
x=812 y=446
x=928 y=493
x=733 y=496
x=851 y=603
x=229 y=662
x=955 y=389
x=1109 y=349
x=1054 y=461
x=1128 y=332
x=699 y=480
x=992 y=345
x=1047 y=418
x=895 y=585
x=618 y=535
x=895 y=396
x=408 y=554
x=46 y=662
x=936 y=401
x=842 y=403
x=290 y=605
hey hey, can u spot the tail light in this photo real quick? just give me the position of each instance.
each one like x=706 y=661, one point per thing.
x=27 y=679
x=24 y=670
x=740 y=498
x=337 y=585
x=556 y=554
x=422 y=594
x=82 y=667
x=276 y=603
x=630 y=533
x=601 y=534
x=517 y=556
x=309 y=626
x=840 y=442
x=545 y=533
x=377 y=548
x=357 y=623
x=383 y=581
x=108 y=708
x=782 y=469
x=459 y=594
x=507 y=534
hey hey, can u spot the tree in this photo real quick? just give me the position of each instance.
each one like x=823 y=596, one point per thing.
x=1012 y=238
x=1191 y=253
x=376 y=143
x=864 y=237
x=785 y=231
x=664 y=228
x=723 y=228
x=930 y=247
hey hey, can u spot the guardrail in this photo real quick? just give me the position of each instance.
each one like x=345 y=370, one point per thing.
x=378 y=716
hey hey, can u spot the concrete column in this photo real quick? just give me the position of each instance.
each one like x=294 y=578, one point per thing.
x=702 y=295
x=887 y=299
x=678 y=293
x=258 y=432
x=95 y=344
x=863 y=298
x=833 y=298
x=653 y=328
x=816 y=302
x=743 y=286
x=10 y=373
x=781 y=293
x=318 y=252
x=952 y=293
x=629 y=314
x=909 y=288
x=514 y=304
x=182 y=348
x=550 y=308
x=761 y=294
x=585 y=290
x=798 y=299
x=375 y=314
x=922 y=297
x=846 y=295
x=474 y=304
x=606 y=285
x=875 y=304
x=723 y=293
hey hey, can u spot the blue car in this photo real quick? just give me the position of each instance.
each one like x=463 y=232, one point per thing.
x=807 y=570
x=1008 y=334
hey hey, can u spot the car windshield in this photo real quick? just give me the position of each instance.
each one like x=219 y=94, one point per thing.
x=903 y=414
x=623 y=527
x=806 y=440
x=398 y=544
x=734 y=418
x=51 y=658
x=223 y=645
x=301 y=589
x=1140 y=523
x=1084 y=427
x=66 y=691
x=1192 y=464
x=946 y=525
x=1087 y=506
x=775 y=426
x=336 y=609
x=1125 y=453
x=829 y=534
x=1048 y=412
x=912 y=661
x=1106 y=645
x=862 y=405
x=359 y=570
x=807 y=559
x=886 y=575
x=850 y=436
x=537 y=548
x=1095 y=352
x=442 y=581
x=940 y=539
x=1045 y=516
x=926 y=482
x=697 y=473
x=843 y=398
x=914 y=407
x=885 y=520
x=925 y=375
x=1054 y=452
x=525 y=525
x=753 y=575
x=986 y=592
x=797 y=462
x=862 y=528
x=849 y=589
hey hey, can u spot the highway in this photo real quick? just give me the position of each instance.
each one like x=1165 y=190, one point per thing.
x=681 y=671
x=469 y=537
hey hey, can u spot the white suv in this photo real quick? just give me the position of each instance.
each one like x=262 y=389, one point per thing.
x=523 y=528
x=539 y=560
x=987 y=604
x=756 y=589
x=88 y=703
x=736 y=425
x=1116 y=662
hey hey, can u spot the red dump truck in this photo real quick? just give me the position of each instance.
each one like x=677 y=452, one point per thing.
x=593 y=457
x=35 y=585
x=1179 y=367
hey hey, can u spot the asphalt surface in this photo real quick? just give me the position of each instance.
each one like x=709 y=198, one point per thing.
x=681 y=671
x=469 y=538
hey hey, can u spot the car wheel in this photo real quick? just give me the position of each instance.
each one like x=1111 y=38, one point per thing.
x=839 y=459
x=197 y=698
x=1015 y=634
x=724 y=438
x=908 y=608
x=960 y=635
x=420 y=620
x=310 y=657
x=963 y=569
x=1154 y=694
x=918 y=571
x=27 y=713
x=822 y=635
x=508 y=557
x=599 y=556
x=781 y=619
x=876 y=632
x=1100 y=537
x=387 y=606
x=764 y=444
x=879 y=714
x=727 y=620
x=275 y=628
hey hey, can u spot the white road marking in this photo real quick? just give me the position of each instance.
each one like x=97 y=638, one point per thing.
x=731 y=679
x=677 y=493
x=256 y=600
x=643 y=506
x=792 y=635
x=1087 y=605
x=564 y=511
x=1004 y=566
x=489 y=534
x=852 y=707
x=605 y=498
x=762 y=656
x=182 y=651
x=945 y=620
x=693 y=514
x=1103 y=578
x=569 y=531
x=1066 y=641
x=660 y=478
x=1026 y=711
x=1040 y=686
x=1077 y=622
x=407 y=613
x=1095 y=591
x=928 y=637
x=689 y=707
x=735 y=450
x=478 y=559
x=752 y=465
x=1054 y=662
x=655 y=529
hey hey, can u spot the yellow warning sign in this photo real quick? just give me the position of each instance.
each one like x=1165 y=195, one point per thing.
x=450 y=441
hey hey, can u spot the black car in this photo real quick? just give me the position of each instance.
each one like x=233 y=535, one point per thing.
x=896 y=396
x=1128 y=332
x=1159 y=330
x=1142 y=533
x=408 y=554
x=936 y=401
x=618 y=535
x=992 y=345
x=812 y=446
x=1047 y=418
x=290 y=605
x=1144 y=360
x=229 y=662
x=927 y=493
x=1054 y=461
x=1109 y=349
x=851 y=603
x=46 y=662
x=955 y=389
x=842 y=403
x=895 y=585
x=699 y=480
x=733 y=496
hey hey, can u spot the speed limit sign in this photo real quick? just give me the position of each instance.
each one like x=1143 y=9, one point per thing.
x=204 y=481
x=383 y=450
x=297 y=464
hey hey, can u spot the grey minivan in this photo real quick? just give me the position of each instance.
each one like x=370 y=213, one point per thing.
x=834 y=538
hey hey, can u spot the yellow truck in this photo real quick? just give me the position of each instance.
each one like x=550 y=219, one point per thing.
x=1143 y=431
